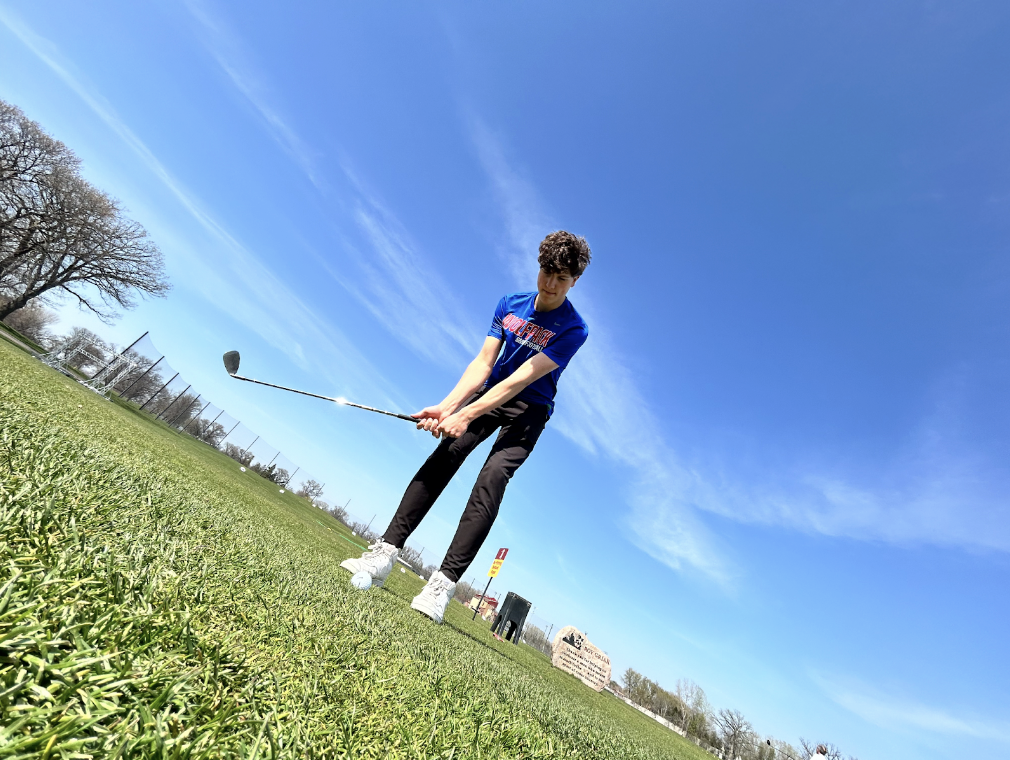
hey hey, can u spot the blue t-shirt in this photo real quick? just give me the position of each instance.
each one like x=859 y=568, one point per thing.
x=557 y=334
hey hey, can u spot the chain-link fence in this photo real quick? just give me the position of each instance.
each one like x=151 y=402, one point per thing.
x=142 y=375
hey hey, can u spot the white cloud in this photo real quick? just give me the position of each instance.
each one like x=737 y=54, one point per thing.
x=932 y=493
x=402 y=291
x=892 y=711
x=226 y=49
x=600 y=407
x=934 y=490
x=236 y=280
x=390 y=278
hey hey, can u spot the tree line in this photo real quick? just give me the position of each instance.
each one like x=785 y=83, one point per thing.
x=60 y=236
x=726 y=731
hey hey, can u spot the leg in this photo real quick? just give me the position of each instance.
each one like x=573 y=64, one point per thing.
x=514 y=444
x=433 y=477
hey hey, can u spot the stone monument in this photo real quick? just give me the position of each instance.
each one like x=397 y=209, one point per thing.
x=574 y=654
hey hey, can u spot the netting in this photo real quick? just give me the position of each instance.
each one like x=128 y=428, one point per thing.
x=211 y=425
x=141 y=374
x=143 y=388
x=165 y=397
x=186 y=410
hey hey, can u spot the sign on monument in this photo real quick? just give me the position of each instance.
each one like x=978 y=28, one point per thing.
x=574 y=654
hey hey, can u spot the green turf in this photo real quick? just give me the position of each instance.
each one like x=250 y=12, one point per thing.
x=23 y=338
x=157 y=602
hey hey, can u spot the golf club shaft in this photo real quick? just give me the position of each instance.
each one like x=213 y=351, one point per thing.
x=380 y=411
x=329 y=398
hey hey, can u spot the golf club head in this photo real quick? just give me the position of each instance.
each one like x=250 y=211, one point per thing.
x=231 y=360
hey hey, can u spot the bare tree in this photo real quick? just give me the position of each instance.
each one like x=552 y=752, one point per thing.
x=337 y=512
x=735 y=730
x=240 y=455
x=809 y=749
x=783 y=750
x=32 y=320
x=412 y=557
x=695 y=706
x=536 y=638
x=273 y=473
x=28 y=156
x=362 y=529
x=85 y=350
x=207 y=431
x=464 y=591
x=311 y=490
x=59 y=235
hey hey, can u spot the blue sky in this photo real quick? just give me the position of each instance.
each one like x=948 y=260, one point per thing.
x=778 y=467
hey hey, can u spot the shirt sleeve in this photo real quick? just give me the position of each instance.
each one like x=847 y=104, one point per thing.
x=562 y=347
x=499 y=315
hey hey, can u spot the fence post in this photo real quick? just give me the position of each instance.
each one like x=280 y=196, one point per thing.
x=172 y=402
x=198 y=417
x=127 y=389
x=230 y=431
x=159 y=391
x=184 y=411
x=246 y=449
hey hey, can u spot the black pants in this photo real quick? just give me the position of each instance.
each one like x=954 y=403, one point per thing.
x=521 y=424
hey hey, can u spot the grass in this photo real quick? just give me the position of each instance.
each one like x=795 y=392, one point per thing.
x=155 y=602
x=7 y=330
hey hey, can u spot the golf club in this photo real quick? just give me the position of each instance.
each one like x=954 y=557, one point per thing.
x=231 y=362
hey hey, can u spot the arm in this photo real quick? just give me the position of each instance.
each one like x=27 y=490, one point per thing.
x=474 y=376
x=454 y=425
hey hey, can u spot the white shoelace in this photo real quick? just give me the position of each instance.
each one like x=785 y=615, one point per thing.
x=376 y=549
x=439 y=585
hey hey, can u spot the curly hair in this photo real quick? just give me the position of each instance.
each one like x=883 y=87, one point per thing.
x=564 y=252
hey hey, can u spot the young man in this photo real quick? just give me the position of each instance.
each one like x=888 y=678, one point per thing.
x=511 y=391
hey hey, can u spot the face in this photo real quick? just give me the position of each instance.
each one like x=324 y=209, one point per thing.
x=553 y=287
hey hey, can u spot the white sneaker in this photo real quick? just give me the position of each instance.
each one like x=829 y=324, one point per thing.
x=434 y=597
x=378 y=561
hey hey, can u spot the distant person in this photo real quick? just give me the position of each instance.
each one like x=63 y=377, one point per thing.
x=511 y=391
x=821 y=753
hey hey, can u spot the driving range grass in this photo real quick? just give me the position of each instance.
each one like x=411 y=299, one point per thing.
x=157 y=602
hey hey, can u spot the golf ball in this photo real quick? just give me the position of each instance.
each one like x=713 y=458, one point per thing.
x=362 y=580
